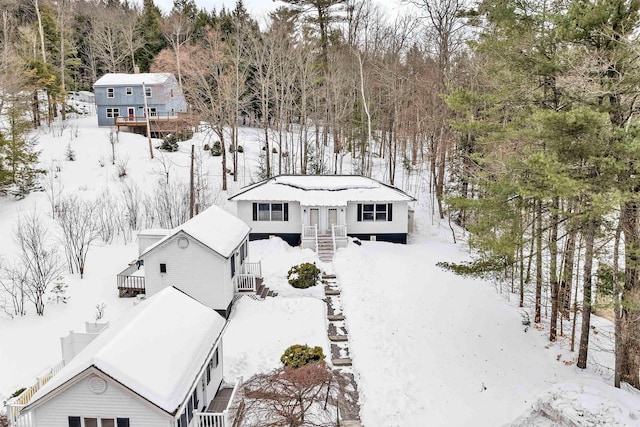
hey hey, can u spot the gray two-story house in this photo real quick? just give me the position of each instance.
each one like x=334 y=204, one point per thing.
x=120 y=98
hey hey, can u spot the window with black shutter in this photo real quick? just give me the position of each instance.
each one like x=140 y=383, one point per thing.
x=255 y=211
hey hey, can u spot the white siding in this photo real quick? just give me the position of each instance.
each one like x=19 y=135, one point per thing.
x=195 y=270
x=294 y=225
x=78 y=400
x=400 y=223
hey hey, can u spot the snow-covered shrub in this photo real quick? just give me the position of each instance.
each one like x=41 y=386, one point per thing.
x=170 y=143
x=304 y=275
x=299 y=355
x=240 y=149
x=216 y=149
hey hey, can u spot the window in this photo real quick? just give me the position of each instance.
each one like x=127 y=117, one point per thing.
x=375 y=212
x=98 y=422
x=129 y=91
x=243 y=252
x=271 y=212
x=215 y=359
x=233 y=265
x=171 y=92
x=113 y=112
x=147 y=92
x=163 y=268
x=209 y=366
x=153 y=112
x=110 y=92
x=195 y=398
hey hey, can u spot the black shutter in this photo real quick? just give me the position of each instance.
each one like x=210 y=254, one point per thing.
x=390 y=212
x=359 y=212
x=74 y=421
x=122 y=422
x=286 y=211
x=255 y=211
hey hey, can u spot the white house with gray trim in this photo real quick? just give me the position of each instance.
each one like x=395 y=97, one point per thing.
x=294 y=207
x=160 y=365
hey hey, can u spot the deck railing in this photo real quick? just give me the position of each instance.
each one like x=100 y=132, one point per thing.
x=126 y=280
x=15 y=405
x=217 y=419
x=254 y=268
x=245 y=282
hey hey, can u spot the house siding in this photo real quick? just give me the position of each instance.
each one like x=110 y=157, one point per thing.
x=292 y=226
x=160 y=99
x=195 y=270
x=78 y=400
x=398 y=225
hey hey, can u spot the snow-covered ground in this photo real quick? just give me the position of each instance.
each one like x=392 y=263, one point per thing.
x=428 y=347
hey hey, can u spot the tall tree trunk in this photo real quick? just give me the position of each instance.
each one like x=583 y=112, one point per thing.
x=586 y=295
x=567 y=272
x=617 y=308
x=630 y=319
x=553 y=269
x=538 y=315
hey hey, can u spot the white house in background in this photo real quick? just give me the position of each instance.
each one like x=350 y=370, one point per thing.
x=305 y=208
x=207 y=257
x=160 y=365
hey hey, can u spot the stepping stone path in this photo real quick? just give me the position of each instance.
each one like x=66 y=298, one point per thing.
x=339 y=339
x=336 y=330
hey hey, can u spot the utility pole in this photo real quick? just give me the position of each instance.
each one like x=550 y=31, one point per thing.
x=146 y=115
x=191 y=191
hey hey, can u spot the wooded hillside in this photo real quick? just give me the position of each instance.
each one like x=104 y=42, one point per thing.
x=522 y=116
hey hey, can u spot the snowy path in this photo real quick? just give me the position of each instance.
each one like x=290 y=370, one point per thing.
x=430 y=348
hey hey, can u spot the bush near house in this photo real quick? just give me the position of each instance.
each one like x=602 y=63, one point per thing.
x=299 y=355
x=304 y=275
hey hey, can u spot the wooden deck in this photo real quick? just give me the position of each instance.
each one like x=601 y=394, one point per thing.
x=221 y=400
x=158 y=124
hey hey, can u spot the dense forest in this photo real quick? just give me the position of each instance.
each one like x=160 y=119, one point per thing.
x=521 y=115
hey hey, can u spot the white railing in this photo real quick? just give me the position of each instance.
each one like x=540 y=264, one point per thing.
x=245 y=282
x=254 y=268
x=310 y=234
x=210 y=419
x=339 y=233
x=14 y=405
x=217 y=419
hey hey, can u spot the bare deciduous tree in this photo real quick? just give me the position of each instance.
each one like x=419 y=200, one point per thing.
x=38 y=260
x=76 y=218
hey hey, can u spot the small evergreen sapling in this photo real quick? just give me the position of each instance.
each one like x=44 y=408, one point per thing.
x=59 y=292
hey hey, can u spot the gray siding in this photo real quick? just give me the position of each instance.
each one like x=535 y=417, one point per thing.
x=160 y=99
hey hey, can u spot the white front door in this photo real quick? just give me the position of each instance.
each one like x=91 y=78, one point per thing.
x=332 y=218
x=314 y=216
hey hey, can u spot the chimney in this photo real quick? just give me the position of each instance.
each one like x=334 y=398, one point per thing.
x=136 y=69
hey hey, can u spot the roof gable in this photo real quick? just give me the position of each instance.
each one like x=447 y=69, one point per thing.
x=215 y=228
x=172 y=330
x=322 y=190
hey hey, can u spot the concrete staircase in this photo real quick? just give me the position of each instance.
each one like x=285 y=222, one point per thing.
x=325 y=247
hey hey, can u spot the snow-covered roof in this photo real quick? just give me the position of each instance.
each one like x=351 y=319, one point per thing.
x=156 y=349
x=214 y=227
x=322 y=190
x=121 y=79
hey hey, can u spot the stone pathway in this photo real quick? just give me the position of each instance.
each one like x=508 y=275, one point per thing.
x=340 y=355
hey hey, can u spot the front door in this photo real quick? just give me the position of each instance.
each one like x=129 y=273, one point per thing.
x=131 y=112
x=332 y=218
x=314 y=217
